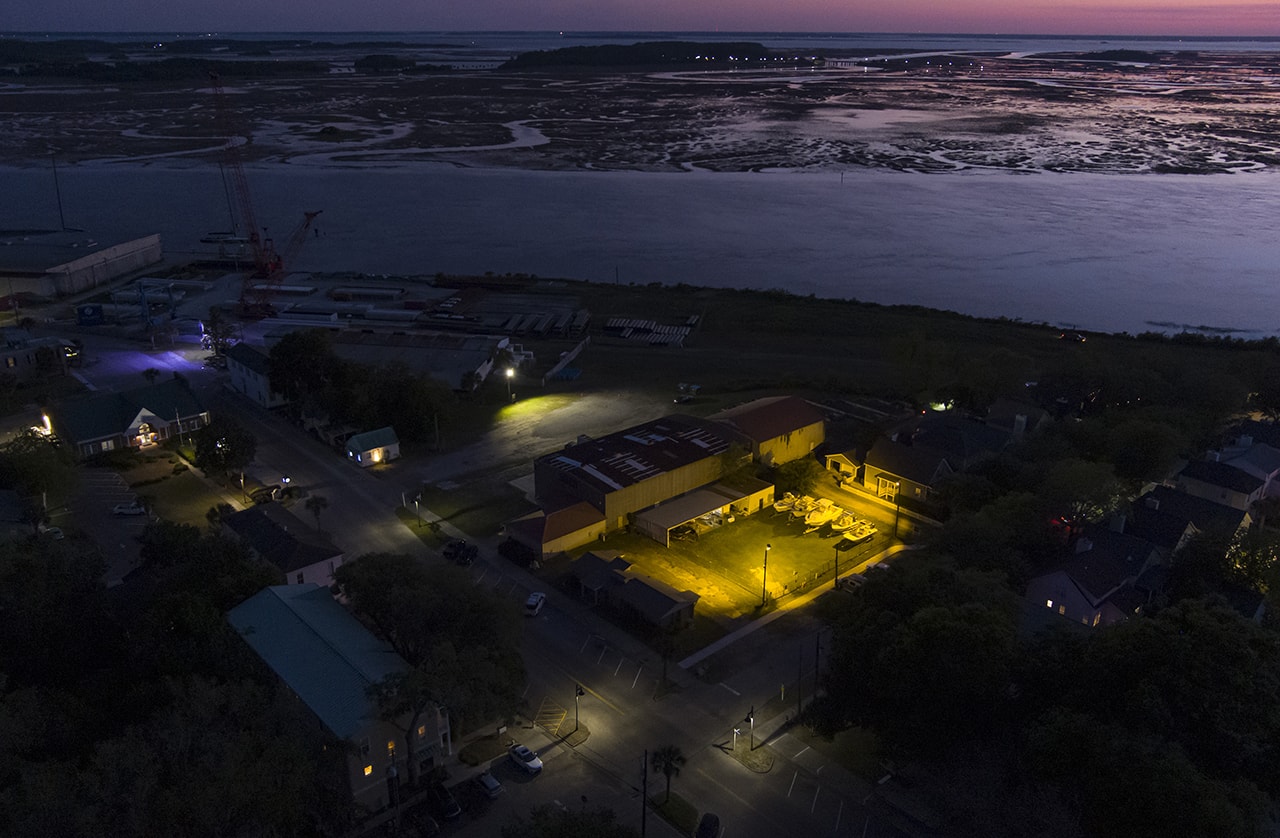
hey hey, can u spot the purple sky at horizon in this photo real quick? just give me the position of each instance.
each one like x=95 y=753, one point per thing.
x=1042 y=17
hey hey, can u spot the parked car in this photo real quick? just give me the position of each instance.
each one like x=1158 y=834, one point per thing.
x=461 y=551
x=708 y=827
x=489 y=784
x=54 y=533
x=525 y=759
x=133 y=507
x=533 y=605
x=443 y=801
x=850 y=583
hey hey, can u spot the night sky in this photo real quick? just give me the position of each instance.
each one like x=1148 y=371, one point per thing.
x=1081 y=17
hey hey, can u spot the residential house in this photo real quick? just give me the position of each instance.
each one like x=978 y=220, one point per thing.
x=274 y=534
x=26 y=357
x=1221 y=483
x=914 y=457
x=779 y=429
x=1102 y=581
x=133 y=419
x=248 y=367
x=373 y=447
x=326 y=658
x=1169 y=518
x=1256 y=458
x=1016 y=418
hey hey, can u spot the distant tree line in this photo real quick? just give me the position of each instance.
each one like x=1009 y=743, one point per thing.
x=640 y=54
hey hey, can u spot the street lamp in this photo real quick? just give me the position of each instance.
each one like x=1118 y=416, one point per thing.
x=897 y=507
x=764 y=577
x=736 y=731
x=416 y=511
x=510 y=374
x=578 y=693
x=751 y=717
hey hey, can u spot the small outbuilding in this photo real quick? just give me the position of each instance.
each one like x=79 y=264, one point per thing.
x=373 y=447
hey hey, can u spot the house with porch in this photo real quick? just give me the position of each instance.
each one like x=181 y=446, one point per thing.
x=373 y=447
x=914 y=457
x=137 y=418
x=328 y=660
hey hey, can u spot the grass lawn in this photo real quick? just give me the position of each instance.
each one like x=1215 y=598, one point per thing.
x=855 y=748
x=477 y=507
x=675 y=810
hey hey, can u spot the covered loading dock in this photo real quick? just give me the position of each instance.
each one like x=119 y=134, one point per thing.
x=657 y=522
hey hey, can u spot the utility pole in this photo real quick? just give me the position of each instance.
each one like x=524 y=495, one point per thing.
x=644 y=793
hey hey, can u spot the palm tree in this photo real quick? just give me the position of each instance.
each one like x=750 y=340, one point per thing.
x=317 y=504
x=667 y=761
x=151 y=374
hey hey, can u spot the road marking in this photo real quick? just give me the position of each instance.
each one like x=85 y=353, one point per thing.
x=839 y=815
x=621 y=661
x=637 y=678
x=602 y=651
x=584 y=645
x=792 y=787
x=814 y=807
x=805 y=748
x=729 y=688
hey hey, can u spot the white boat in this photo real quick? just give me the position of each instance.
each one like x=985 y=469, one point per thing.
x=843 y=522
x=784 y=503
x=824 y=511
x=860 y=532
x=802 y=506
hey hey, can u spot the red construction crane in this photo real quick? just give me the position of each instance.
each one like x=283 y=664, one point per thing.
x=268 y=264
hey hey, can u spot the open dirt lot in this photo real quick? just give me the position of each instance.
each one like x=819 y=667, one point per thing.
x=1174 y=112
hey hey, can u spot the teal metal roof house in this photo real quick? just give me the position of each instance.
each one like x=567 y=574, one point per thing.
x=132 y=419
x=373 y=447
x=329 y=660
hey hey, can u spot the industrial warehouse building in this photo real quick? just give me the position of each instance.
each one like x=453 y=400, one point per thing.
x=53 y=264
x=663 y=475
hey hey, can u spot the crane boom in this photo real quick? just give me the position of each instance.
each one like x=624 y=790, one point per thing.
x=268 y=264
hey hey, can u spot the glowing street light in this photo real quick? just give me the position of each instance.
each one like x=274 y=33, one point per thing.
x=510 y=374
x=764 y=577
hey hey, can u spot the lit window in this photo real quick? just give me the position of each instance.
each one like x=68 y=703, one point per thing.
x=1062 y=609
x=1048 y=603
x=422 y=730
x=391 y=749
x=368 y=769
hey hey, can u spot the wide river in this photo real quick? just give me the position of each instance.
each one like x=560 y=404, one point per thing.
x=1106 y=252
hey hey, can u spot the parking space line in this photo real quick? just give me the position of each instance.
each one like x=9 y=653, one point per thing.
x=621 y=661
x=814 y=806
x=792 y=787
x=729 y=688
x=603 y=649
x=802 y=750
x=637 y=678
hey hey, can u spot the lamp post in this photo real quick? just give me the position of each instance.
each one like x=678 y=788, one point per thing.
x=751 y=717
x=764 y=577
x=736 y=731
x=578 y=693
x=897 y=507
x=416 y=511
x=510 y=374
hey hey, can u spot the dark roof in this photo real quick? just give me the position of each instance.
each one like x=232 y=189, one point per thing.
x=961 y=440
x=653 y=599
x=639 y=453
x=1103 y=560
x=1161 y=516
x=109 y=414
x=769 y=418
x=918 y=464
x=280 y=537
x=248 y=356
x=1223 y=475
x=596 y=571
x=542 y=527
